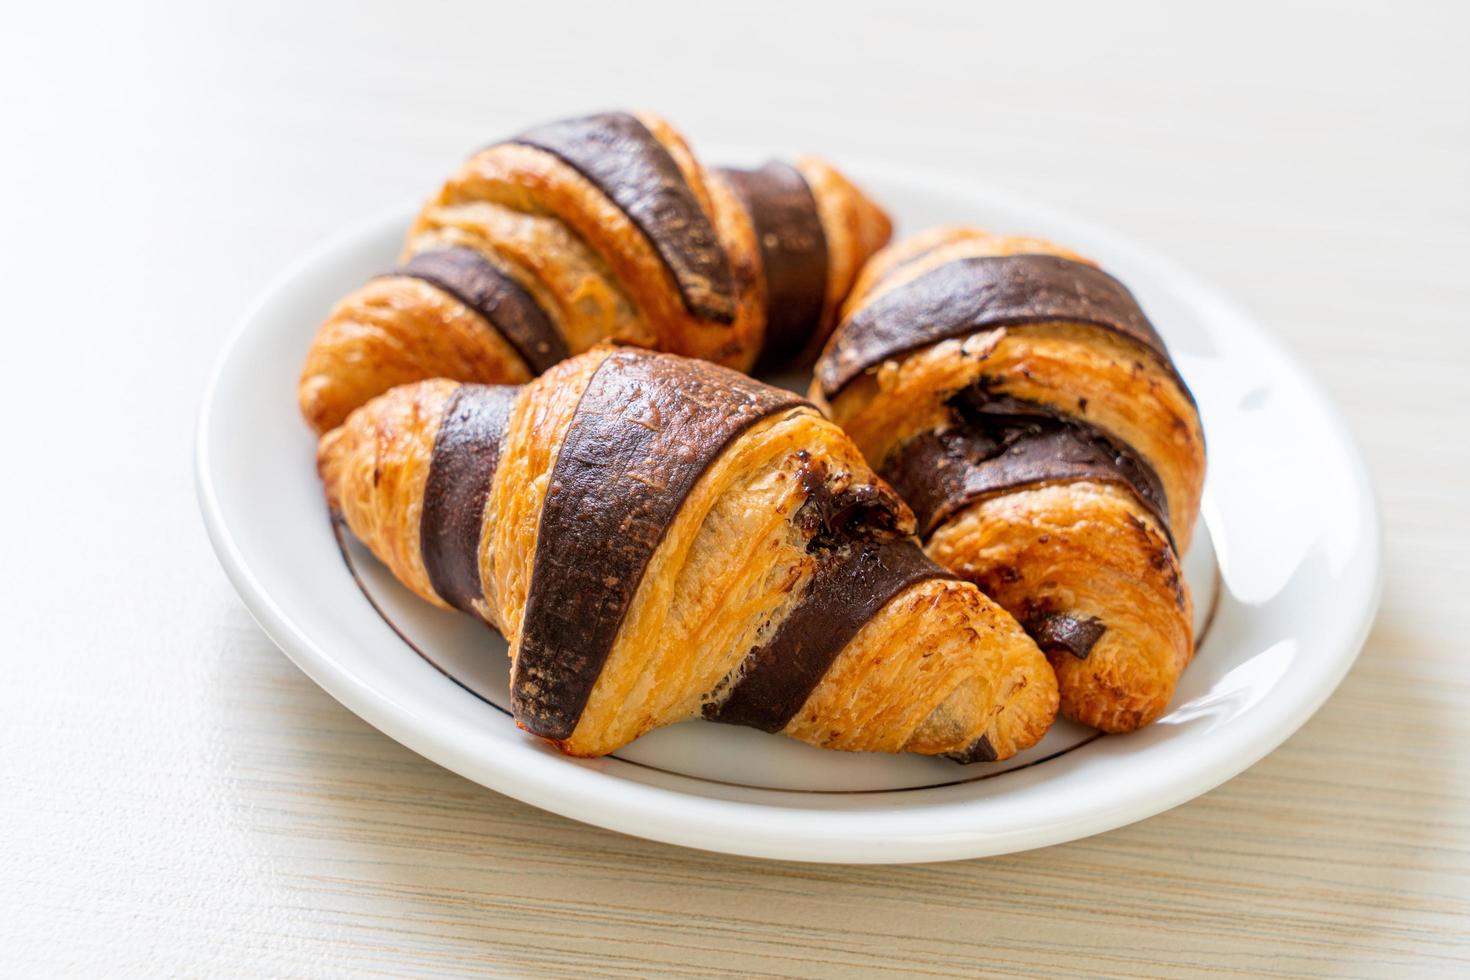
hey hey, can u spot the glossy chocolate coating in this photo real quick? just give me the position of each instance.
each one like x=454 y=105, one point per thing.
x=1002 y=444
x=619 y=155
x=470 y=278
x=848 y=589
x=980 y=750
x=793 y=250
x=646 y=428
x=1063 y=632
x=979 y=293
x=466 y=453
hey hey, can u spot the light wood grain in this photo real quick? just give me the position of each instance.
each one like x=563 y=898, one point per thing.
x=175 y=797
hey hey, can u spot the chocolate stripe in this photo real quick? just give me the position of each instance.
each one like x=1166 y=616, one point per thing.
x=847 y=590
x=1058 y=632
x=793 y=253
x=626 y=162
x=1005 y=444
x=466 y=452
x=978 y=293
x=469 y=277
x=646 y=428
x=980 y=750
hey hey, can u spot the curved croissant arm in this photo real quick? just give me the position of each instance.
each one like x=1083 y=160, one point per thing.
x=661 y=539
x=1018 y=399
x=596 y=229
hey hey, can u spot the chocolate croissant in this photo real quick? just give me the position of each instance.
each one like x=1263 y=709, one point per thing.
x=662 y=539
x=1017 y=397
x=596 y=229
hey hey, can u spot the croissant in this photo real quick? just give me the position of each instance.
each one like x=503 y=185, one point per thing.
x=596 y=229
x=1016 y=396
x=660 y=539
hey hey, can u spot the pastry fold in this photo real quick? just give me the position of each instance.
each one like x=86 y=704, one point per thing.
x=1018 y=399
x=601 y=228
x=661 y=539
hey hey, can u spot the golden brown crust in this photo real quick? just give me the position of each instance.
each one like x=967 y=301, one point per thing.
x=374 y=469
x=1080 y=369
x=532 y=442
x=913 y=256
x=527 y=179
x=968 y=672
x=855 y=227
x=1081 y=548
x=583 y=260
x=570 y=282
x=1088 y=549
x=937 y=669
x=392 y=331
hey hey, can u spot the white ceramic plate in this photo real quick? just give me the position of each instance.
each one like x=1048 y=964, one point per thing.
x=1285 y=573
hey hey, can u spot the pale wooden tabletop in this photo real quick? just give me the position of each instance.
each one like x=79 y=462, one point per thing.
x=176 y=797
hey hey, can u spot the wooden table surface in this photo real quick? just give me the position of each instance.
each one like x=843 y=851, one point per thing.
x=176 y=797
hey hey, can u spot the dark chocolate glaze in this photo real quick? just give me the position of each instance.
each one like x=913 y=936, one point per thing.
x=466 y=452
x=646 y=428
x=793 y=250
x=1004 y=443
x=978 y=293
x=837 y=512
x=619 y=155
x=848 y=588
x=979 y=750
x=1056 y=632
x=505 y=304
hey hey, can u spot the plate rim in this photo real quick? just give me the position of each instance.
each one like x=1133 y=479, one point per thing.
x=760 y=827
